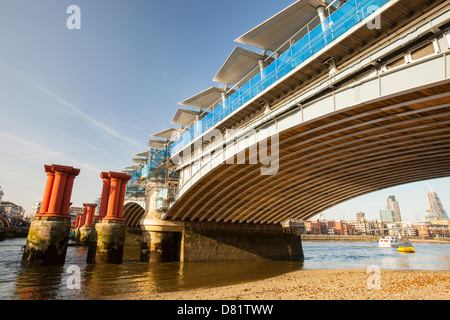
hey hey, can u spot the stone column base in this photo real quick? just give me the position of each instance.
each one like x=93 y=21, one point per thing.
x=47 y=241
x=85 y=235
x=189 y=241
x=107 y=242
x=210 y=241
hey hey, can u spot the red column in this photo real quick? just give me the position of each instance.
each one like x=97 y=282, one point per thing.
x=65 y=206
x=47 y=191
x=123 y=188
x=83 y=217
x=78 y=220
x=90 y=213
x=105 y=194
x=113 y=199
x=118 y=183
x=59 y=185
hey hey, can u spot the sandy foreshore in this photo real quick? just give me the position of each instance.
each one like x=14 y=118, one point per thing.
x=346 y=284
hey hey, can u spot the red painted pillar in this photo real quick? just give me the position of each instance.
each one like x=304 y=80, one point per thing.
x=47 y=191
x=65 y=206
x=123 y=188
x=116 y=195
x=83 y=217
x=90 y=214
x=59 y=186
x=113 y=199
x=78 y=220
x=105 y=195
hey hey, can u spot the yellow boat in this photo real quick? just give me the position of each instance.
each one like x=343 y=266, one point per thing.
x=406 y=249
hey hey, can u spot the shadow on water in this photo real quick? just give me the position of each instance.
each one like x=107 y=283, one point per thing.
x=139 y=279
x=133 y=278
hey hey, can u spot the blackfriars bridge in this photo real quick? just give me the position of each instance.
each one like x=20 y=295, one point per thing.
x=345 y=98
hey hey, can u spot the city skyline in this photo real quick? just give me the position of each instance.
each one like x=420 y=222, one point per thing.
x=90 y=98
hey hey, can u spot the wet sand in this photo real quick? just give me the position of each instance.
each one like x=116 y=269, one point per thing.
x=346 y=284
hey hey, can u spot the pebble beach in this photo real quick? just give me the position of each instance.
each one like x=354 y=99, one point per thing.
x=326 y=284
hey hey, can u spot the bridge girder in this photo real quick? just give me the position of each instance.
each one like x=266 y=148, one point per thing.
x=331 y=159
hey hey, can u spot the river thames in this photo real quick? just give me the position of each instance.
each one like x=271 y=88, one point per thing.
x=133 y=278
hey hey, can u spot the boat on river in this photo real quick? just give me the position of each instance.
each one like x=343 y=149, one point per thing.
x=393 y=242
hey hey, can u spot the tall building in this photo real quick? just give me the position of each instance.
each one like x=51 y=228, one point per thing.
x=392 y=204
x=1 y=194
x=436 y=206
x=360 y=216
x=387 y=216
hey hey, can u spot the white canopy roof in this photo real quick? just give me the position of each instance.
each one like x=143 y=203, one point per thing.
x=274 y=32
x=131 y=168
x=239 y=64
x=165 y=134
x=139 y=160
x=142 y=154
x=185 y=117
x=204 y=99
x=153 y=143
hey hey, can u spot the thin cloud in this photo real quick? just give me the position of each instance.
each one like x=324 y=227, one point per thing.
x=51 y=95
x=29 y=150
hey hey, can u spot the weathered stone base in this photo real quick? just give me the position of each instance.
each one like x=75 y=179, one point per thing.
x=206 y=241
x=47 y=241
x=107 y=242
x=165 y=241
x=84 y=235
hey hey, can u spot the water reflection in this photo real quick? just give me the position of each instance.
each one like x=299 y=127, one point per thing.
x=137 y=279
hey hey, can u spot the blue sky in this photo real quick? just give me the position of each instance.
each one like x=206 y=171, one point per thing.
x=90 y=98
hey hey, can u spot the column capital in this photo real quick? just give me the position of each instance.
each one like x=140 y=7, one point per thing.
x=105 y=176
x=48 y=169
x=119 y=176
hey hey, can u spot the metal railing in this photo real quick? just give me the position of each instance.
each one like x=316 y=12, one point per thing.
x=313 y=37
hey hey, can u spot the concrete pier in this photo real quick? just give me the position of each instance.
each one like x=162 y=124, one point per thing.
x=165 y=241
x=50 y=229
x=110 y=239
x=107 y=237
x=86 y=230
x=47 y=241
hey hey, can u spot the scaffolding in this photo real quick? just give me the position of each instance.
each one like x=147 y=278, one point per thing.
x=157 y=169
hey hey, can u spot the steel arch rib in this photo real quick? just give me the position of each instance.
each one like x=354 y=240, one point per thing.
x=351 y=176
x=406 y=177
x=345 y=136
x=334 y=123
x=305 y=149
x=315 y=146
x=320 y=171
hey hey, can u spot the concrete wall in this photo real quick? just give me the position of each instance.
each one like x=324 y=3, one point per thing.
x=205 y=241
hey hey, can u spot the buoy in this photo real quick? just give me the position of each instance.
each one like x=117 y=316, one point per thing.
x=406 y=249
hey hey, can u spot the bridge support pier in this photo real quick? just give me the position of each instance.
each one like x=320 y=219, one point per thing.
x=86 y=230
x=107 y=242
x=49 y=231
x=47 y=241
x=107 y=237
x=165 y=241
x=161 y=241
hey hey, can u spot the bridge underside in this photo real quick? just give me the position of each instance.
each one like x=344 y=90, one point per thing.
x=331 y=159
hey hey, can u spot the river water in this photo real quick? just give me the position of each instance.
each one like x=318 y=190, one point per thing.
x=137 y=279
